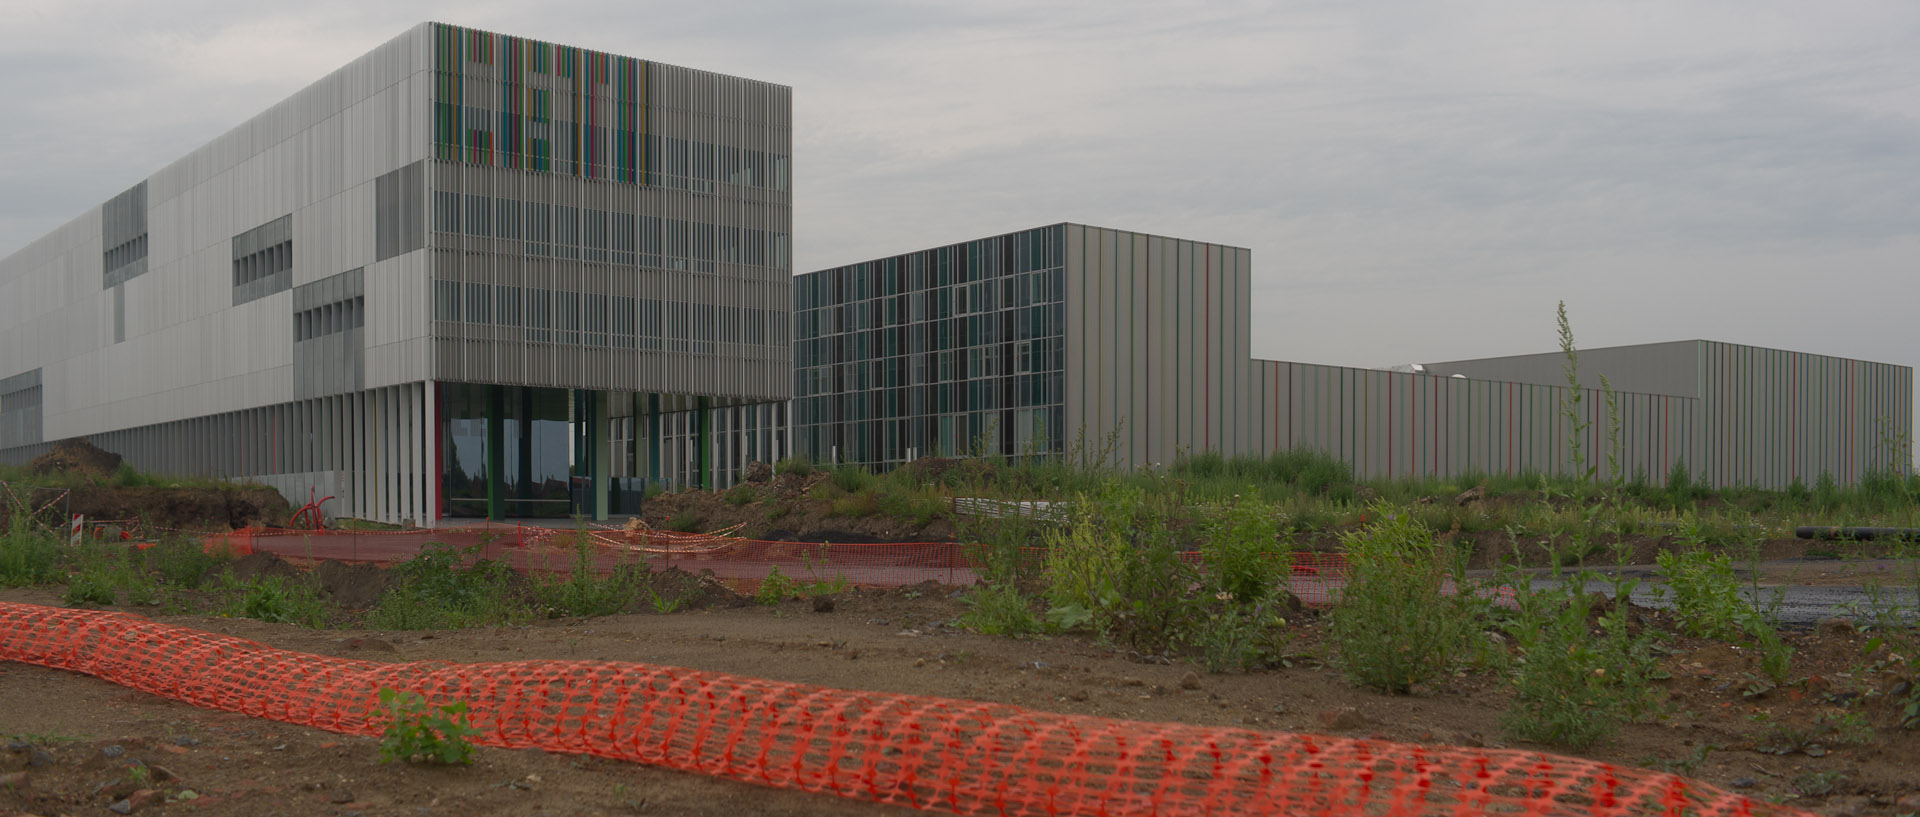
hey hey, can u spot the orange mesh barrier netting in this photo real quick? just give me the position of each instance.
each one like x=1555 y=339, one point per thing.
x=742 y=563
x=963 y=757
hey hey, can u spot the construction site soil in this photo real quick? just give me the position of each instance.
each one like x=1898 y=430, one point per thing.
x=74 y=744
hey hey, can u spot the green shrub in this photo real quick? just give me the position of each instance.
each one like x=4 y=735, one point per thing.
x=89 y=588
x=776 y=587
x=852 y=478
x=999 y=609
x=1394 y=625
x=1573 y=688
x=417 y=733
x=1085 y=556
x=126 y=477
x=583 y=592
x=1242 y=552
x=742 y=494
x=796 y=466
x=1151 y=609
x=904 y=501
x=687 y=521
x=1704 y=592
x=1240 y=637
x=434 y=591
x=1001 y=546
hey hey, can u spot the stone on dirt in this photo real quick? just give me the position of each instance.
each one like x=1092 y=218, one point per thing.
x=1345 y=718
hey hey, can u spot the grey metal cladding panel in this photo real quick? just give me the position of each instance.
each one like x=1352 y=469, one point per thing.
x=125 y=272
x=1653 y=368
x=19 y=382
x=270 y=285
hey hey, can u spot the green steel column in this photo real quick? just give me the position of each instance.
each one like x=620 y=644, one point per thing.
x=703 y=416
x=599 y=444
x=496 y=409
x=653 y=438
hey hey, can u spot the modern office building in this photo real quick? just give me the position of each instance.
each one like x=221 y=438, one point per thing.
x=1108 y=345
x=466 y=274
x=1060 y=340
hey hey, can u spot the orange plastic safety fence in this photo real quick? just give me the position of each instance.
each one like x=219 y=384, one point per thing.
x=963 y=757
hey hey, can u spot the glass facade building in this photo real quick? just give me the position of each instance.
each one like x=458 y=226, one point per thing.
x=947 y=351
x=1054 y=341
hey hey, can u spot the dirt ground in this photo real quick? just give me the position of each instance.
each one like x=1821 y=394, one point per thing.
x=86 y=734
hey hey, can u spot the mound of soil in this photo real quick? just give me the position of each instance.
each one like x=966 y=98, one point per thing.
x=76 y=456
x=789 y=510
x=353 y=586
x=222 y=508
x=256 y=565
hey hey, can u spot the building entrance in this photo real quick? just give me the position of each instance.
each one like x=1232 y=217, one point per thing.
x=516 y=452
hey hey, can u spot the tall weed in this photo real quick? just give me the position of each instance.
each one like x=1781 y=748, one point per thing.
x=1579 y=675
x=1394 y=624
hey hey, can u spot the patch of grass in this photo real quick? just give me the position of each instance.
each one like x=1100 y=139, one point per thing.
x=663 y=603
x=417 y=733
x=796 y=466
x=184 y=562
x=103 y=571
x=1000 y=609
x=856 y=505
x=852 y=478
x=275 y=599
x=28 y=554
x=349 y=523
x=742 y=494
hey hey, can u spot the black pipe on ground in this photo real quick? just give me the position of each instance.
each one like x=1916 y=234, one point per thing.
x=1856 y=534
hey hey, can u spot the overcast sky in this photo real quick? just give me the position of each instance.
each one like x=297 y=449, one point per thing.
x=1417 y=180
